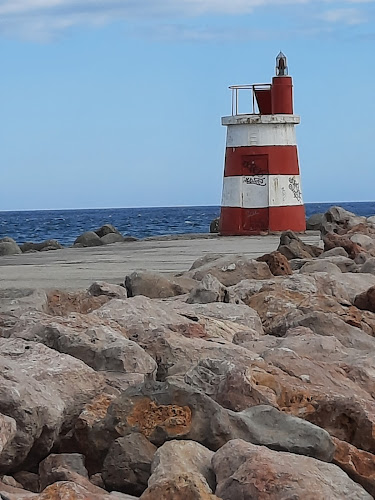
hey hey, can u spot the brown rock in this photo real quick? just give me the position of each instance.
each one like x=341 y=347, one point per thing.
x=29 y=480
x=334 y=240
x=76 y=489
x=62 y=303
x=251 y=472
x=358 y=464
x=366 y=300
x=277 y=262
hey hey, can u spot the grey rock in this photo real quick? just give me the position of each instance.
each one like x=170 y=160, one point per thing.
x=56 y=467
x=108 y=289
x=107 y=229
x=107 y=239
x=334 y=252
x=320 y=266
x=17 y=302
x=39 y=247
x=314 y=222
x=88 y=239
x=28 y=480
x=9 y=247
x=127 y=466
x=344 y=263
x=155 y=285
x=206 y=259
x=214 y=226
x=296 y=264
x=338 y=220
x=228 y=383
x=363 y=240
x=211 y=290
x=368 y=266
x=294 y=248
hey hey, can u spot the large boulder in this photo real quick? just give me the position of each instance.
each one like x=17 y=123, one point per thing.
x=230 y=270
x=251 y=472
x=127 y=466
x=332 y=240
x=40 y=247
x=44 y=392
x=292 y=247
x=102 y=288
x=314 y=222
x=9 y=247
x=174 y=410
x=368 y=266
x=210 y=290
x=100 y=346
x=88 y=239
x=366 y=300
x=112 y=238
x=106 y=229
x=338 y=220
x=181 y=470
x=320 y=266
x=155 y=285
x=57 y=467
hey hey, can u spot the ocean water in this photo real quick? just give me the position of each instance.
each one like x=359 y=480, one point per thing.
x=66 y=225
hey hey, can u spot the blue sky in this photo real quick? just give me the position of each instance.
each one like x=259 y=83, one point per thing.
x=117 y=103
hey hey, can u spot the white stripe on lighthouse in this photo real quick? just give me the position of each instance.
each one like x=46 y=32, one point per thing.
x=261 y=135
x=262 y=191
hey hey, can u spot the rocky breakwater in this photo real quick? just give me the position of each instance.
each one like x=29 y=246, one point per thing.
x=105 y=235
x=237 y=379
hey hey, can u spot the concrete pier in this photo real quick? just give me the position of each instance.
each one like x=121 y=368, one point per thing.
x=74 y=268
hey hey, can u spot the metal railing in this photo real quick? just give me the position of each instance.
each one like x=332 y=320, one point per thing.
x=235 y=97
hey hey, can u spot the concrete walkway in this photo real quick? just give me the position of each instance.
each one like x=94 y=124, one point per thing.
x=74 y=268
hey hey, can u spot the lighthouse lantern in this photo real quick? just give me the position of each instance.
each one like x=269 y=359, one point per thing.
x=281 y=65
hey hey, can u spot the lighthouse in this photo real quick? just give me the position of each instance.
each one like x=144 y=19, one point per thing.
x=262 y=186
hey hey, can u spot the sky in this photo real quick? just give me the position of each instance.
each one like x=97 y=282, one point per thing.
x=118 y=103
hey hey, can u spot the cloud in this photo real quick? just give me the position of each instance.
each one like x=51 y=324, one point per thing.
x=349 y=16
x=44 y=19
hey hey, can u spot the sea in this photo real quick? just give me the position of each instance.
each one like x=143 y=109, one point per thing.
x=66 y=225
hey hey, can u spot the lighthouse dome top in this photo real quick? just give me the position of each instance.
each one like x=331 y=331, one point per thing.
x=281 y=65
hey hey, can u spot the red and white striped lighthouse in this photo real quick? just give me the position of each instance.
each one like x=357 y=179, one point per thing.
x=262 y=187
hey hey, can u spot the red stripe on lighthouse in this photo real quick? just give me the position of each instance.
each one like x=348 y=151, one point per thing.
x=260 y=160
x=235 y=221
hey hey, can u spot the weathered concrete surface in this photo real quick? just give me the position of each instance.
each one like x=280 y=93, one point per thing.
x=73 y=268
